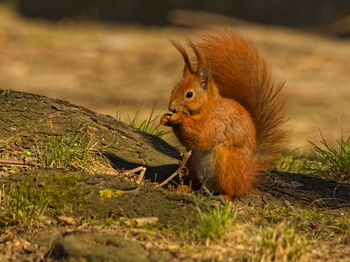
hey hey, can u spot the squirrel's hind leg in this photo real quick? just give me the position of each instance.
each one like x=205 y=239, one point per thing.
x=235 y=174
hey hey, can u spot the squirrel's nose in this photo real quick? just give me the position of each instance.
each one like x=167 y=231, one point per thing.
x=172 y=108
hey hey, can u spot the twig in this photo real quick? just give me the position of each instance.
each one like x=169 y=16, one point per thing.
x=182 y=165
x=140 y=169
x=14 y=162
x=141 y=176
x=133 y=171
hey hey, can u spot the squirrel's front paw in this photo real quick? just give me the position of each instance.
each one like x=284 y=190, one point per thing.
x=170 y=119
x=164 y=120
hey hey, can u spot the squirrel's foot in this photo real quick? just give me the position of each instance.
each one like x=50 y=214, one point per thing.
x=184 y=189
x=225 y=197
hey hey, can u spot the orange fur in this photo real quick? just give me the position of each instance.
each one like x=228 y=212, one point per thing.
x=242 y=74
x=228 y=112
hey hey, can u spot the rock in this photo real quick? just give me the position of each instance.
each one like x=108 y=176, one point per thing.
x=83 y=246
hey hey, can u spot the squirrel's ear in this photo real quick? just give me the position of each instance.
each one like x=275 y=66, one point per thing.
x=203 y=77
x=188 y=68
x=201 y=62
x=202 y=68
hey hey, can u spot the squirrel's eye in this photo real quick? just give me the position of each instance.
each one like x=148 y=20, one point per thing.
x=189 y=94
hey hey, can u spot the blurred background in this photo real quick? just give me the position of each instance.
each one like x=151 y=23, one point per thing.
x=113 y=56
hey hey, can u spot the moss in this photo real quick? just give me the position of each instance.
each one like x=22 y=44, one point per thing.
x=110 y=193
x=61 y=192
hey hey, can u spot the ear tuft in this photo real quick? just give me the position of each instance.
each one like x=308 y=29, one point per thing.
x=203 y=77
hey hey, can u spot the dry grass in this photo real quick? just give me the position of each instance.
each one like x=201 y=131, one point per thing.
x=328 y=160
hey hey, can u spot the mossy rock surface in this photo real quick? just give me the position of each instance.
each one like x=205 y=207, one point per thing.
x=100 y=197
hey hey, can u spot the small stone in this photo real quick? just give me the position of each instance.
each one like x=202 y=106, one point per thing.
x=144 y=221
x=85 y=246
x=67 y=220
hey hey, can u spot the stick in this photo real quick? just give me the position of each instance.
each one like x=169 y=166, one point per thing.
x=185 y=158
x=133 y=171
x=141 y=176
x=14 y=162
x=140 y=169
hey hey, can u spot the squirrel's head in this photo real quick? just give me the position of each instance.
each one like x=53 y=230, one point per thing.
x=196 y=86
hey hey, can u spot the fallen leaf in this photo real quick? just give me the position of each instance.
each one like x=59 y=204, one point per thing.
x=68 y=220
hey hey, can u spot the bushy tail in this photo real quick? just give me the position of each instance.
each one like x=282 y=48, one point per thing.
x=241 y=74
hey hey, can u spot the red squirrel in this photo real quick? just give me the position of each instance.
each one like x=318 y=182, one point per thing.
x=228 y=109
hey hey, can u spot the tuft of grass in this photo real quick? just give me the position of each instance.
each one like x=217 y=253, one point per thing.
x=66 y=151
x=291 y=162
x=281 y=243
x=24 y=204
x=21 y=209
x=331 y=161
x=150 y=125
x=215 y=221
x=71 y=151
x=323 y=223
x=118 y=115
